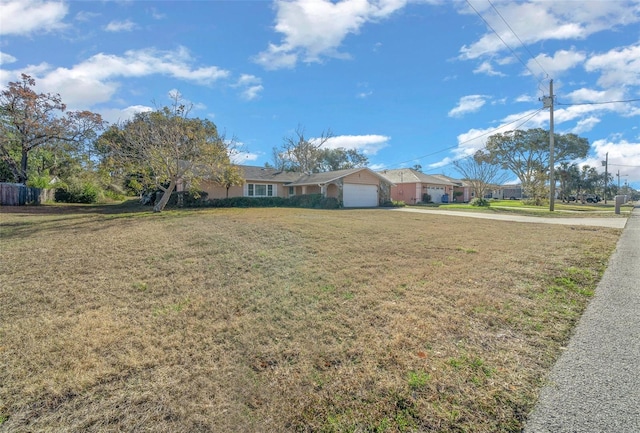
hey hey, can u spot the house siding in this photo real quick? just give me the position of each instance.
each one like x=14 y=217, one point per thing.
x=406 y=192
x=216 y=191
x=362 y=177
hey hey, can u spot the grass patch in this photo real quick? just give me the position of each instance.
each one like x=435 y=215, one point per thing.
x=283 y=320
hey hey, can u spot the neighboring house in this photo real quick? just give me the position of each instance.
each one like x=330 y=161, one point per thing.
x=411 y=186
x=356 y=187
x=507 y=192
x=462 y=191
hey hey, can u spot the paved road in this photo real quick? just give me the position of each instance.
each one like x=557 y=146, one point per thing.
x=611 y=222
x=595 y=385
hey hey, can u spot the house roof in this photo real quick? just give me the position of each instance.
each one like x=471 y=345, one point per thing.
x=250 y=172
x=409 y=175
x=331 y=176
x=456 y=182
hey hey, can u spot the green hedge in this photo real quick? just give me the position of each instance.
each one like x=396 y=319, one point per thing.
x=310 y=201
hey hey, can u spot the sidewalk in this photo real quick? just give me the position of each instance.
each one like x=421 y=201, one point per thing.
x=611 y=222
x=595 y=385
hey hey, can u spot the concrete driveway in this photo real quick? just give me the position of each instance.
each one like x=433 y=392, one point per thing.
x=610 y=222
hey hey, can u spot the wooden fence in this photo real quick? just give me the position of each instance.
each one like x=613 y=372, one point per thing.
x=16 y=194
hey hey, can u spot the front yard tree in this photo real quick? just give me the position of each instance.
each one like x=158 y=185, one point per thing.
x=309 y=156
x=526 y=154
x=480 y=173
x=304 y=155
x=170 y=146
x=30 y=120
x=230 y=176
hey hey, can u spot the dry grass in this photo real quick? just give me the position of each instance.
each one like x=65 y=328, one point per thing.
x=274 y=320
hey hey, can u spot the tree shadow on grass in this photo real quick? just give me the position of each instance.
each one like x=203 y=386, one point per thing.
x=24 y=221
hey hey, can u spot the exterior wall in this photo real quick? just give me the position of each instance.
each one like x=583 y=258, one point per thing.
x=216 y=191
x=466 y=194
x=406 y=192
x=312 y=189
x=362 y=177
x=333 y=191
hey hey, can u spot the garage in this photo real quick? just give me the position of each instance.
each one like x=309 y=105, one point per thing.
x=436 y=193
x=356 y=195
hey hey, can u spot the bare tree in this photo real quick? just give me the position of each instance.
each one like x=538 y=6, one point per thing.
x=304 y=154
x=480 y=173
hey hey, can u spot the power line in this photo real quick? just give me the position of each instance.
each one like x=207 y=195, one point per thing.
x=502 y=40
x=518 y=37
x=528 y=116
x=601 y=103
x=622 y=165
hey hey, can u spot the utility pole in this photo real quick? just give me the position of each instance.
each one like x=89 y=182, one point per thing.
x=552 y=179
x=606 y=175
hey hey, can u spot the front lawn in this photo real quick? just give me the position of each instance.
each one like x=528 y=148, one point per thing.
x=283 y=320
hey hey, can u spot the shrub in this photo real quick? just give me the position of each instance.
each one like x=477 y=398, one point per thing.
x=426 y=198
x=479 y=201
x=247 y=202
x=41 y=182
x=329 y=203
x=75 y=191
x=187 y=199
x=394 y=203
x=306 y=201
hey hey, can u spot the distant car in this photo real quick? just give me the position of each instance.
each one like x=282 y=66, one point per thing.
x=592 y=198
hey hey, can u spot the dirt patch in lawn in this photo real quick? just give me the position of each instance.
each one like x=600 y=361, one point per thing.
x=271 y=320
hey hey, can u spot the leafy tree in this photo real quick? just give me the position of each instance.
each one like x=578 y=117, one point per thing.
x=478 y=171
x=526 y=154
x=167 y=147
x=30 y=121
x=340 y=159
x=230 y=176
x=579 y=180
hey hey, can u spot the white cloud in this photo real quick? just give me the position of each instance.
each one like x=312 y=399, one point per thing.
x=562 y=61
x=487 y=68
x=526 y=98
x=6 y=58
x=95 y=79
x=468 y=104
x=86 y=16
x=117 y=115
x=243 y=157
x=367 y=144
x=585 y=125
x=619 y=67
x=315 y=29
x=535 y=21
x=22 y=17
x=624 y=156
x=251 y=86
x=120 y=26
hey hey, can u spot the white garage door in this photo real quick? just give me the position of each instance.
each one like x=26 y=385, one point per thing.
x=436 y=193
x=355 y=195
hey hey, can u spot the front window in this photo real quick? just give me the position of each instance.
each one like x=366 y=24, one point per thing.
x=259 y=190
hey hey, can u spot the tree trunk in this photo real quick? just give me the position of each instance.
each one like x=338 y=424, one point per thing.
x=22 y=175
x=159 y=207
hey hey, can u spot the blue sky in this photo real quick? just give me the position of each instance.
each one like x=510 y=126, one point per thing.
x=405 y=81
